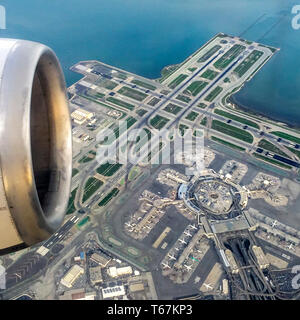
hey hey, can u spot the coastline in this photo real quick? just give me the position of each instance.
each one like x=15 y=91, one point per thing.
x=238 y=106
x=261 y=116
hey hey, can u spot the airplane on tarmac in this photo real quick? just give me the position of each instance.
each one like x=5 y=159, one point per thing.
x=182 y=241
x=193 y=226
x=208 y=286
x=128 y=224
x=188 y=267
x=165 y=265
x=290 y=247
x=171 y=257
x=187 y=234
x=275 y=222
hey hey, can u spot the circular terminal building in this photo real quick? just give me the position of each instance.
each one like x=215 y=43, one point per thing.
x=215 y=196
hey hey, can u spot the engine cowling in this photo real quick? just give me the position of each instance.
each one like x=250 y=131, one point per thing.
x=35 y=144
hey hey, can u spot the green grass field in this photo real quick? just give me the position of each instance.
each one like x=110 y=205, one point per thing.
x=226 y=143
x=213 y=94
x=154 y=101
x=88 y=157
x=248 y=62
x=209 y=53
x=168 y=71
x=74 y=172
x=98 y=95
x=278 y=163
x=71 y=207
x=121 y=103
x=134 y=172
x=91 y=186
x=108 y=197
x=183 y=98
x=182 y=129
x=132 y=93
x=202 y=105
x=158 y=122
x=129 y=122
x=286 y=136
x=143 y=84
x=177 y=81
x=236 y=118
x=108 y=84
x=141 y=112
x=172 y=108
x=192 y=116
x=121 y=75
x=144 y=137
x=204 y=121
x=195 y=87
x=232 y=131
x=265 y=144
x=108 y=169
x=229 y=56
x=209 y=74
x=83 y=221
x=296 y=152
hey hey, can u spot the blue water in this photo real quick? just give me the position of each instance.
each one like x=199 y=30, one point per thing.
x=142 y=36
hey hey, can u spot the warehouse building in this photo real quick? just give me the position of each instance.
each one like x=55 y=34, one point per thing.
x=73 y=274
x=117 y=272
x=80 y=116
x=100 y=259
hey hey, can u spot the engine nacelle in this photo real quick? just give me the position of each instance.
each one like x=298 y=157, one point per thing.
x=35 y=144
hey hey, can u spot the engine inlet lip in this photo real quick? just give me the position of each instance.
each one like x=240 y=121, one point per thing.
x=35 y=219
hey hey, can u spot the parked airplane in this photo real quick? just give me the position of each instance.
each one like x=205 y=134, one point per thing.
x=188 y=267
x=182 y=241
x=187 y=234
x=208 y=286
x=275 y=222
x=193 y=226
x=171 y=257
x=290 y=247
x=165 y=265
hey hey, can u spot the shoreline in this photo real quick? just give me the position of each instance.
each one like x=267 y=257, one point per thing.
x=238 y=106
x=261 y=116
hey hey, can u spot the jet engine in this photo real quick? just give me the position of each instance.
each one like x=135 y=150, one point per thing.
x=35 y=144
